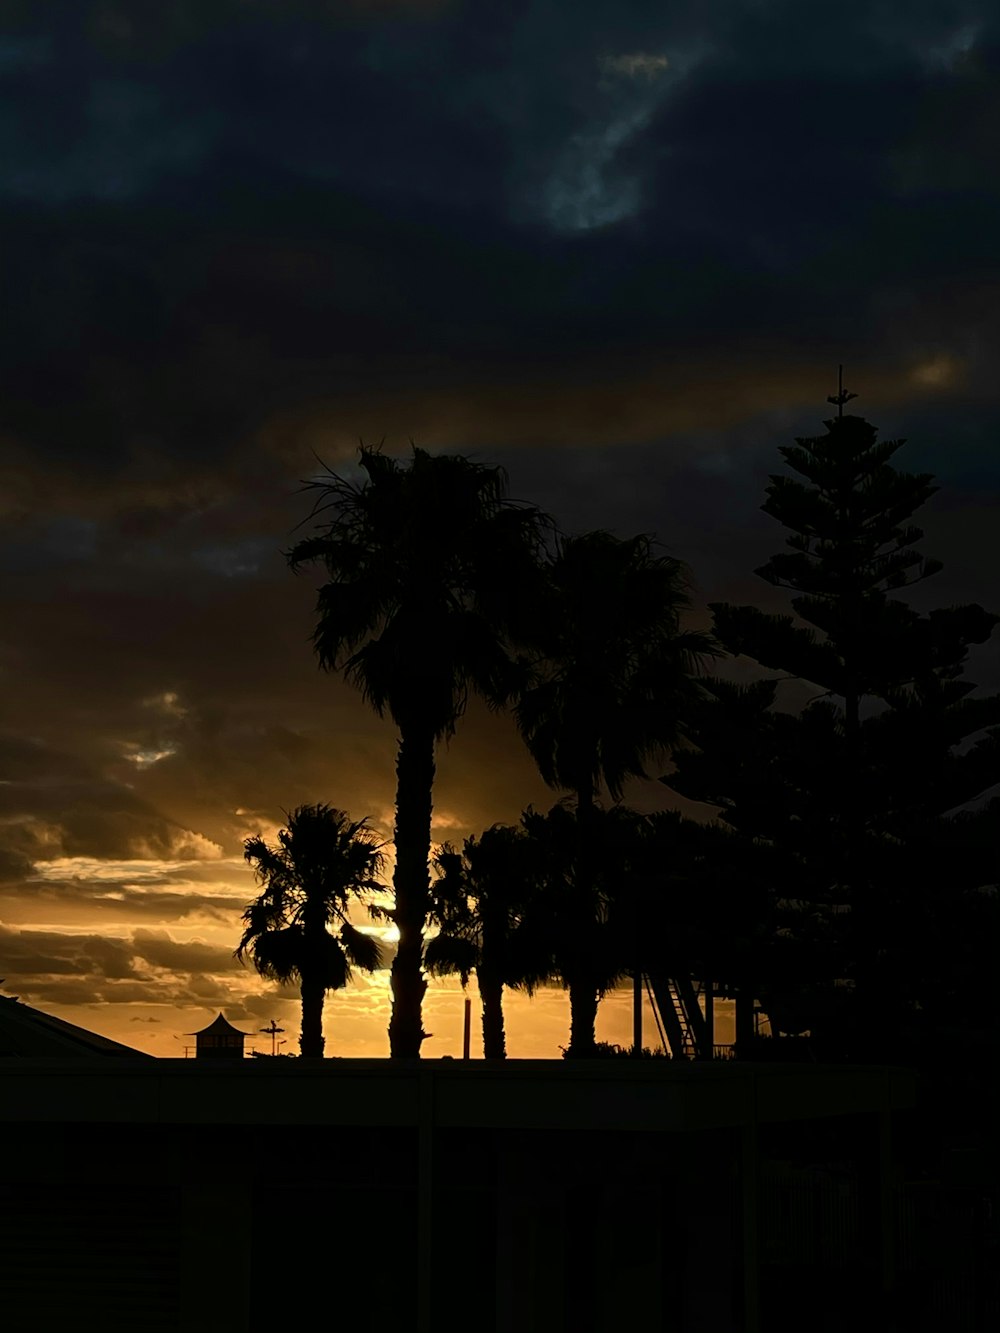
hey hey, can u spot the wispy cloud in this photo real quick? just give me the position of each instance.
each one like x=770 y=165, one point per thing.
x=637 y=65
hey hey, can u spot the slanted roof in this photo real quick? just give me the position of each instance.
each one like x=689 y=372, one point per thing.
x=25 y=1031
x=218 y=1028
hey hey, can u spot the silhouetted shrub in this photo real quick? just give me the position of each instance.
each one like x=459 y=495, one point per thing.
x=608 y=1050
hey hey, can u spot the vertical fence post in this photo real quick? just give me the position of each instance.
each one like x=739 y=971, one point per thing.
x=425 y=1181
x=750 y=1172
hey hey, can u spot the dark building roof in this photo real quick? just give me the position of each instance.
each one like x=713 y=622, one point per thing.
x=219 y=1027
x=642 y=1096
x=28 y=1032
x=555 y=1143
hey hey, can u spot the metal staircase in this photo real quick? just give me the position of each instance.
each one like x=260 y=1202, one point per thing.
x=676 y=1002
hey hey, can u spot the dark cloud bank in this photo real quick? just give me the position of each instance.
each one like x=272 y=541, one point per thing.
x=620 y=250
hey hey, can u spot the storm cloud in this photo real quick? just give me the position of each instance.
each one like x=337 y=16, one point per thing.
x=620 y=250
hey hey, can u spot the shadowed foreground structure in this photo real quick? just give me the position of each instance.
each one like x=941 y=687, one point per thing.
x=582 y=1196
x=26 y=1033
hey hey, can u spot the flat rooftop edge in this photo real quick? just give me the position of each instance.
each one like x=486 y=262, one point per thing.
x=501 y=1094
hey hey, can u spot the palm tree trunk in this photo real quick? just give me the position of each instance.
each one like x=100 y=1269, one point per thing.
x=311 y=1036
x=868 y=1002
x=491 y=994
x=582 y=1018
x=745 y=1030
x=414 y=787
x=582 y=988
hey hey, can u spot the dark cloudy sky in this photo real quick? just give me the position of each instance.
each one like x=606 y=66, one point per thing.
x=618 y=247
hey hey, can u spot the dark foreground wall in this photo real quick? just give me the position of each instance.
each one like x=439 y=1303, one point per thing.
x=450 y=1197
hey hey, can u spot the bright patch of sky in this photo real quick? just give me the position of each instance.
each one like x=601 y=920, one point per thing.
x=168 y=702
x=585 y=190
x=638 y=65
x=134 y=872
x=144 y=758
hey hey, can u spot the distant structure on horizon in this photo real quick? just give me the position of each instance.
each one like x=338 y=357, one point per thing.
x=219 y=1041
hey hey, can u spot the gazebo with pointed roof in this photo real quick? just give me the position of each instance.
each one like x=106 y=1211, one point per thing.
x=219 y=1041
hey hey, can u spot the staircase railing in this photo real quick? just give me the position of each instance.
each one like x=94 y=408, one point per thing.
x=676 y=1001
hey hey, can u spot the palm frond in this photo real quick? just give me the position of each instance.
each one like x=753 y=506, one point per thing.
x=323 y=861
x=446 y=955
x=277 y=955
x=362 y=949
x=270 y=867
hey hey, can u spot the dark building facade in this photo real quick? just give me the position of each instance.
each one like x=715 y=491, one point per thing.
x=452 y=1197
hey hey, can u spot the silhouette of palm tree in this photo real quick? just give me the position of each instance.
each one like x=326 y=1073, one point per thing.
x=425 y=563
x=612 y=682
x=322 y=861
x=478 y=902
x=573 y=920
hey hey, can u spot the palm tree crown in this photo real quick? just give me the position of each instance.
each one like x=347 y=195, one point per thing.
x=424 y=566
x=322 y=861
x=614 y=673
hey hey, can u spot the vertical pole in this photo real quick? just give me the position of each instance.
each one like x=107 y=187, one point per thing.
x=750 y=1171
x=709 y=1020
x=467 y=1033
x=637 y=987
x=887 y=1209
x=425 y=1131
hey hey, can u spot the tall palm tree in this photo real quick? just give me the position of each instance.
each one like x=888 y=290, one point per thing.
x=323 y=860
x=614 y=677
x=478 y=901
x=424 y=564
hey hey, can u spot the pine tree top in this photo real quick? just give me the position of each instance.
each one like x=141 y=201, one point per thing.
x=847 y=520
x=851 y=547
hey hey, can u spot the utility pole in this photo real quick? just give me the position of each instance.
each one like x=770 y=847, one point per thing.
x=273 y=1030
x=708 y=988
x=637 y=980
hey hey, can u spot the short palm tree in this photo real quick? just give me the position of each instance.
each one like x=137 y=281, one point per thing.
x=424 y=564
x=323 y=860
x=573 y=919
x=478 y=902
x=614 y=677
